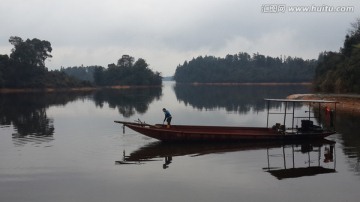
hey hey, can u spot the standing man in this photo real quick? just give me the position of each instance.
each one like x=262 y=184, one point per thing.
x=167 y=117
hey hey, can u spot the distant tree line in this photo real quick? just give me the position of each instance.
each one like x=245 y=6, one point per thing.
x=340 y=71
x=242 y=67
x=80 y=72
x=25 y=67
x=127 y=72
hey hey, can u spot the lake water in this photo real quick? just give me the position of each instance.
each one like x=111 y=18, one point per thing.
x=64 y=147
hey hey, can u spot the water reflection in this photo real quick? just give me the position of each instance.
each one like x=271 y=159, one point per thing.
x=348 y=125
x=128 y=101
x=319 y=158
x=22 y=140
x=26 y=112
x=322 y=162
x=240 y=98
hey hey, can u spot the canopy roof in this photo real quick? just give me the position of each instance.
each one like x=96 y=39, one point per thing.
x=300 y=172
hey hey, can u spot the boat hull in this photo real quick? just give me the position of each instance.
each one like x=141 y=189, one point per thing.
x=220 y=133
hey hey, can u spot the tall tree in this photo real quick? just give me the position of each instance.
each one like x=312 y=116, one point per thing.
x=126 y=72
x=25 y=68
x=340 y=71
x=32 y=52
x=352 y=38
x=125 y=61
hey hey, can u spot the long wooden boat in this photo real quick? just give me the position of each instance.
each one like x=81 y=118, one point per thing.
x=227 y=133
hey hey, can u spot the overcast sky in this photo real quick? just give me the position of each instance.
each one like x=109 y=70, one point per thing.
x=167 y=32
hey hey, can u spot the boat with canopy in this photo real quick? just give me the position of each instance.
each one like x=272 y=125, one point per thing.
x=278 y=132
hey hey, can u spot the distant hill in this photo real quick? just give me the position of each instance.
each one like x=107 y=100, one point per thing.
x=243 y=68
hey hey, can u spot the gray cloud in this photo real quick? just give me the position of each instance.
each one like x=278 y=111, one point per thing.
x=167 y=32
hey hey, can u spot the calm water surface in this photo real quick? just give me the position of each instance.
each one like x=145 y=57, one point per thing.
x=66 y=147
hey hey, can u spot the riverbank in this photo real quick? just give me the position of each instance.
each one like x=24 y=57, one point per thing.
x=46 y=90
x=348 y=103
x=79 y=89
x=248 y=84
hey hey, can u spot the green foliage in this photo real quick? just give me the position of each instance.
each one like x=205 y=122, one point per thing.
x=25 y=68
x=81 y=73
x=59 y=79
x=4 y=64
x=340 y=71
x=30 y=52
x=126 y=72
x=242 y=67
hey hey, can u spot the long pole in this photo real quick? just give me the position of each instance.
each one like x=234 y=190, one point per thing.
x=335 y=117
x=268 y=108
x=293 y=114
x=284 y=157
x=285 y=114
x=319 y=113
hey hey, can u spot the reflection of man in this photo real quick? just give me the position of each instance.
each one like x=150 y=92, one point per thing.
x=168 y=160
x=167 y=117
x=328 y=154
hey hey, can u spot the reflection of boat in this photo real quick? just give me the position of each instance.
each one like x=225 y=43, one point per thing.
x=161 y=149
x=157 y=150
x=312 y=155
x=222 y=133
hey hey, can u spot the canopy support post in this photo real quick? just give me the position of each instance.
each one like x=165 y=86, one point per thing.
x=293 y=113
x=268 y=109
x=285 y=114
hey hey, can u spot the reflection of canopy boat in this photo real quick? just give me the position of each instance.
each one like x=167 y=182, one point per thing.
x=156 y=150
x=313 y=166
x=161 y=149
x=226 y=133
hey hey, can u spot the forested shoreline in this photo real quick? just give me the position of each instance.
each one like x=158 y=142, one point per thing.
x=339 y=72
x=332 y=72
x=126 y=71
x=244 y=68
x=25 y=69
